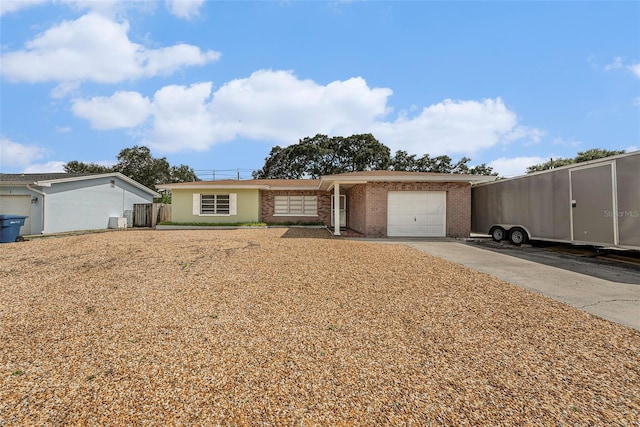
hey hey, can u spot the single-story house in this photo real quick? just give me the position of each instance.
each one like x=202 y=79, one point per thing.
x=58 y=202
x=372 y=203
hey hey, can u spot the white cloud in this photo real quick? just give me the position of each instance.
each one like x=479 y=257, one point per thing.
x=276 y=106
x=8 y=6
x=514 y=166
x=615 y=65
x=13 y=154
x=49 y=167
x=63 y=129
x=182 y=119
x=95 y=48
x=618 y=64
x=454 y=127
x=122 y=110
x=186 y=9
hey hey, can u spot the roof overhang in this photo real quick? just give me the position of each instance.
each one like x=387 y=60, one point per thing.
x=208 y=186
x=328 y=182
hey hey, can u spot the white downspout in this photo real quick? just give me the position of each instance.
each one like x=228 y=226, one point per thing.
x=44 y=212
x=336 y=209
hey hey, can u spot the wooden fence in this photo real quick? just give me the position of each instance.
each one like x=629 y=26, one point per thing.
x=150 y=214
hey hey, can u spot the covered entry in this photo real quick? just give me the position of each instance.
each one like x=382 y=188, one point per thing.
x=416 y=213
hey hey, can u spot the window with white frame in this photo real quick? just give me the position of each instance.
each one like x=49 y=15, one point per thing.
x=215 y=204
x=295 y=205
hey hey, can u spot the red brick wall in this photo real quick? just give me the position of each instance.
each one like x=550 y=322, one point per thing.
x=367 y=206
x=324 y=207
x=356 y=213
x=458 y=205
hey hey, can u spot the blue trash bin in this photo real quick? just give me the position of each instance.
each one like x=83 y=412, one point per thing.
x=10 y=228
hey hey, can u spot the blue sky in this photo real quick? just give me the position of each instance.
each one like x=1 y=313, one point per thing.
x=215 y=85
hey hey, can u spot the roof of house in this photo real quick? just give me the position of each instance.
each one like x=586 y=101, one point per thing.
x=260 y=184
x=47 y=179
x=327 y=181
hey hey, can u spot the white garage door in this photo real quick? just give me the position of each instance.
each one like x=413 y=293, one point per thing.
x=417 y=213
x=17 y=205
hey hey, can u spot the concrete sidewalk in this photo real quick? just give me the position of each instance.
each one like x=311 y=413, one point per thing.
x=612 y=300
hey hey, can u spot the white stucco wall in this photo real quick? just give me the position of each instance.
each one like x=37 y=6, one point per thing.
x=88 y=204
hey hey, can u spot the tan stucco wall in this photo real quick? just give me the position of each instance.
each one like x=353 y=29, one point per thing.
x=182 y=207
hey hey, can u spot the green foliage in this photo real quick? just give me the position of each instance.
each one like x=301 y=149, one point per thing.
x=138 y=164
x=402 y=161
x=320 y=155
x=596 y=153
x=323 y=155
x=75 y=166
x=583 y=156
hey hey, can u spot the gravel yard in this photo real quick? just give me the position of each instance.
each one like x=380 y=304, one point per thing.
x=292 y=327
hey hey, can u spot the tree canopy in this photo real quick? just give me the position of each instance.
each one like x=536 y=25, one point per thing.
x=320 y=155
x=138 y=164
x=583 y=156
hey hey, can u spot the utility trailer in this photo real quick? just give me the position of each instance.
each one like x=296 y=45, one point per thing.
x=593 y=203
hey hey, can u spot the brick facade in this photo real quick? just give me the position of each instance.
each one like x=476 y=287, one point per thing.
x=267 y=202
x=367 y=206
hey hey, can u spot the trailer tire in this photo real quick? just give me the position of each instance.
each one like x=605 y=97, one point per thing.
x=498 y=233
x=518 y=236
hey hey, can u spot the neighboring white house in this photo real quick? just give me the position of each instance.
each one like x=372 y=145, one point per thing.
x=58 y=202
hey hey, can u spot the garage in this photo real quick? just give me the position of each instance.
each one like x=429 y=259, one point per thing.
x=17 y=205
x=417 y=213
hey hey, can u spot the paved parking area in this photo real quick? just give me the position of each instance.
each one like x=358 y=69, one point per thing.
x=610 y=292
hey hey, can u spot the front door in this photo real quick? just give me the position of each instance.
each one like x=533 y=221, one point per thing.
x=343 y=210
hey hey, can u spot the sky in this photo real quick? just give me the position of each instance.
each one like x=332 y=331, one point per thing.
x=215 y=85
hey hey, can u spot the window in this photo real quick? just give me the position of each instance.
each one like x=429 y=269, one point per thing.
x=215 y=204
x=295 y=205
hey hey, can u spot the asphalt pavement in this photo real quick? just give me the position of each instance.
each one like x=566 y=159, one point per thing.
x=602 y=288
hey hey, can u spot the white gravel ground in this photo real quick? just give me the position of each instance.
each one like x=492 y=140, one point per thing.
x=292 y=327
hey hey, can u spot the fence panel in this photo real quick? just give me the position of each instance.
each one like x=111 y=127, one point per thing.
x=142 y=214
x=161 y=213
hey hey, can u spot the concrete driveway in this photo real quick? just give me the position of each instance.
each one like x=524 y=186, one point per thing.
x=613 y=295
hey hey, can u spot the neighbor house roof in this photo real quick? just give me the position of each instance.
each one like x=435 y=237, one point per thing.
x=48 y=179
x=31 y=178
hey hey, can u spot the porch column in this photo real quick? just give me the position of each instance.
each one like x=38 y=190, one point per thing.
x=336 y=209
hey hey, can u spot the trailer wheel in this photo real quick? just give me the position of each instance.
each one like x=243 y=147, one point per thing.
x=19 y=239
x=497 y=233
x=518 y=236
